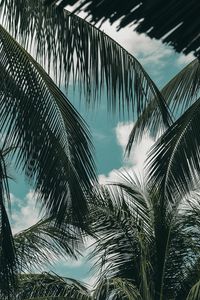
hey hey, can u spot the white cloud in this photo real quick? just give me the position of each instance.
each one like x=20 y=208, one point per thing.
x=185 y=59
x=147 y=50
x=25 y=213
x=136 y=161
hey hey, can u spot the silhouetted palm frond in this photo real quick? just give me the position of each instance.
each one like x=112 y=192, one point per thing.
x=52 y=142
x=80 y=53
x=8 y=261
x=174 y=159
x=44 y=242
x=179 y=93
x=52 y=287
x=117 y=289
x=152 y=243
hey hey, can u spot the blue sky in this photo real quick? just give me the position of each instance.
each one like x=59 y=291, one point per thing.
x=110 y=134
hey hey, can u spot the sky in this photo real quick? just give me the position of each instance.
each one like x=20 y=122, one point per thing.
x=110 y=135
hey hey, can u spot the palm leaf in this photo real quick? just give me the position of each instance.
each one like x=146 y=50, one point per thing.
x=194 y=293
x=52 y=142
x=81 y=53
x=44 y=242
x=51 y=287
x=174 y=160
x=117 y=289
x=179 y=93
x=145 y=239
x=8 y=261
x=121 y=222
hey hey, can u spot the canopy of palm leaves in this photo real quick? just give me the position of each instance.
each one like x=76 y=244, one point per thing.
x=51 y=287
x=51 y=138
x=81 y=54
x=180 y=28
x=147 y=248
x=174 y=162
x=52 y=142
x=35 y=247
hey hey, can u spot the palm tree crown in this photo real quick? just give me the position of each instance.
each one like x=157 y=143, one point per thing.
x=147 y=247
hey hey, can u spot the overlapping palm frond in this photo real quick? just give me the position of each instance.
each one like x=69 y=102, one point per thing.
x=79 y=52
x=44 y=242
x=117 y=289
x=8 y=260
x=54 y=147
x=121 y=224
x=52 y=287
x=194 y=293
x=179 y=93
x=52 y=142
x=174 y=159
x=157 y=251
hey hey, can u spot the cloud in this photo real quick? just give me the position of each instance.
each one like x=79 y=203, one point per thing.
x=136 y=161
x=25 y=212
x=157 y=58
x=185 y=59
x=144 y=48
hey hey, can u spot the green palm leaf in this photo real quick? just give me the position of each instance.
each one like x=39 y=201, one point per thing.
x=52 y=141
x=179 y=93
x=194 y=293
x=117 y=289
x=8 y=261
x=44 y=242
x=151 y=242
x=120 y=223
x=51 y=287
x=174 y=159
x=79 y=52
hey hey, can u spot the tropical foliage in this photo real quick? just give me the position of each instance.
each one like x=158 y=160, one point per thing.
x=147 y=248
x=147 y=238
x=41 y=245
x=51 y=142
x=174 y=159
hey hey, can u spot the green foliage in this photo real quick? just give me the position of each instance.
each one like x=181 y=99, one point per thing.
x=47 y=286
x=80 y=53
x=151 y=243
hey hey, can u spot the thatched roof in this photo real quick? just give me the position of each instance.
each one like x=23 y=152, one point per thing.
x=176 y=21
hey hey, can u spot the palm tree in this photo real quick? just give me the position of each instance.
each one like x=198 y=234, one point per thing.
x=50 y=286
x=32 y=248
x=39 y=245
x=147 y=248
x=51 y=139
x=52 y=144
x=173 y=162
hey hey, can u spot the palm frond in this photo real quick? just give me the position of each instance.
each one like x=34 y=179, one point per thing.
x=194 y=293
x=82 y=53
x=52 y=142
x=52 y=287
x=8 y=260
x=174 y=160
x=44 y=242
x=179 y=93
x=117 y=289
x=182 y=256
x=180 y=30
x=184 y=89
x=121 y=227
